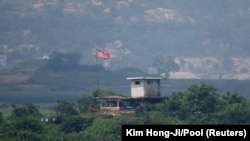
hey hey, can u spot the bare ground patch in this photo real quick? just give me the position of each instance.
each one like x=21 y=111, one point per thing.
x=15 y=78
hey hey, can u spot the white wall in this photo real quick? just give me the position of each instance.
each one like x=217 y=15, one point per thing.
x=137 y=90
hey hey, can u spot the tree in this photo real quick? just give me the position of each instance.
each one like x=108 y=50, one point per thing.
x=237 y=113
x=203 y=98
x=100 y=92
x=84 y=103
x=199 y=104
x=65 y=109
x=233 y=98
x=28 y=136
x=26 y=117
x=103 y=129
x=236 y=109
x=75 y=124
x=177 y=106
x=1 y=118
x=25 y=122
x=4 y=127
x=64 y=62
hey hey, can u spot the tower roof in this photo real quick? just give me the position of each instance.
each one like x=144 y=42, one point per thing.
x=133 y=78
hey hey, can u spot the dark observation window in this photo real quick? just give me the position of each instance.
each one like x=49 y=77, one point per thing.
x=137 y=82
x=149 y=82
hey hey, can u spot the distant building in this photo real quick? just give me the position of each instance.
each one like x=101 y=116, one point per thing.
x=111 y=102
x=148 y=87
x=142 y=88
x=113 y=105
x=3 y=60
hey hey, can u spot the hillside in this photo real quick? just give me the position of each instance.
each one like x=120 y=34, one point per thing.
x=212 y=68
x=134 y=32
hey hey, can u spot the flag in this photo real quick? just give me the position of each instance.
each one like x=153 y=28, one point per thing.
x=102 y=54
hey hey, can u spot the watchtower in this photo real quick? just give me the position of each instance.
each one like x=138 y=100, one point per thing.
x=148 y=87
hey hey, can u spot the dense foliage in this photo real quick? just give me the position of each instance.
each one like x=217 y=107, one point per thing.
x=199 y=104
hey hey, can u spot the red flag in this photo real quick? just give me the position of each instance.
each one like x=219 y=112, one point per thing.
x=102 y=54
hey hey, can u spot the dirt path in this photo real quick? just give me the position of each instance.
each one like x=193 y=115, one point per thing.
x=15 y=78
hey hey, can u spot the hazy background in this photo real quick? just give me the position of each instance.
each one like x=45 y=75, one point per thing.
x=207 y=39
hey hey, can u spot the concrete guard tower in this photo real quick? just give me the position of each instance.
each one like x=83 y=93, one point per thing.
x=145 y=87
x=142 y=88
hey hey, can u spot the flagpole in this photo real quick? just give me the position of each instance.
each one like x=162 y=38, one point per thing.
x=103 y=55
x=97 y=74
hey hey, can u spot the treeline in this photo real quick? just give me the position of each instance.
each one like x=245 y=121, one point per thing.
x=67 y=62
x=199 y=104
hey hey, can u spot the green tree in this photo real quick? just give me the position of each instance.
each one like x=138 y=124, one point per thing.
x=26 y=117
x=25 y=135
x=4 y=128
x=75 y=124
x=238 y=113
x=101 y=92
x=236 y=109
x=141 y=112
x=64 y=62
x=25 y=122
x=65 y=109
x=199 y=104
x=203 y=98
x=233 y=98
x=85 y=103
x=1 y=118
x=103 y=129
x=177 y=106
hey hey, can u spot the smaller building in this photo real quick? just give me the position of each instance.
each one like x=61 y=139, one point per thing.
x=111 y=102
x=113 y=105
x=145 y=87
